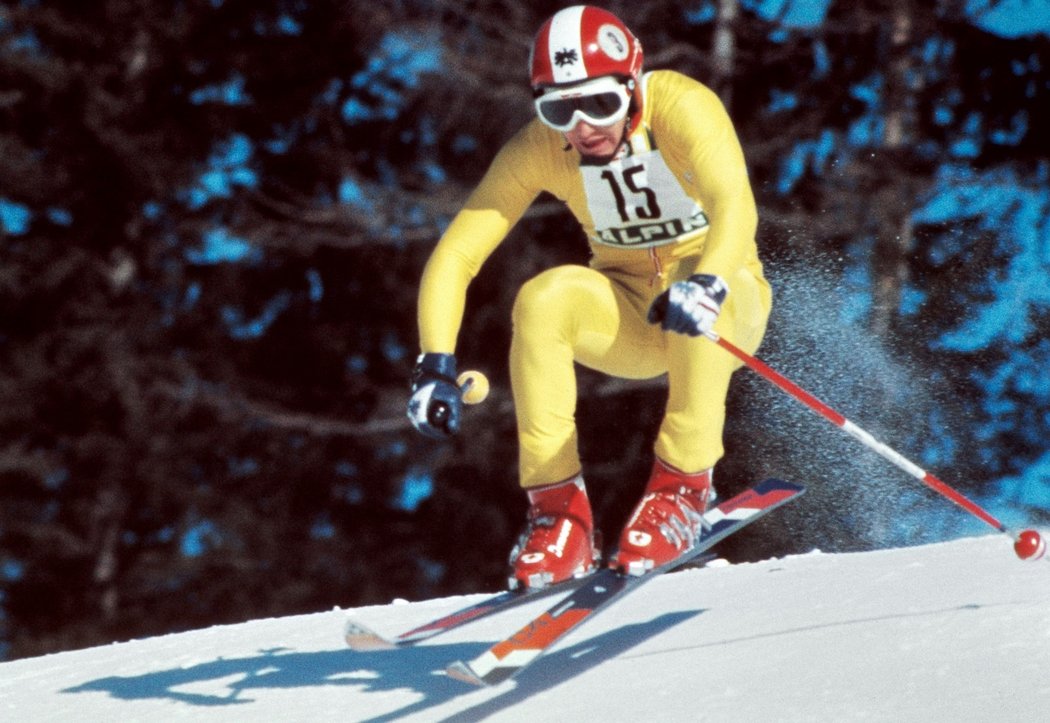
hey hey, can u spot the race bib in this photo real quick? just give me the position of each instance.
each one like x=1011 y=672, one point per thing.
x=636 y=202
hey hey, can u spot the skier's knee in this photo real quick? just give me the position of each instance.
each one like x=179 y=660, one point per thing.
x=546 y=297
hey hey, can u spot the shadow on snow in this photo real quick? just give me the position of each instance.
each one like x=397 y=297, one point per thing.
x=420 y=668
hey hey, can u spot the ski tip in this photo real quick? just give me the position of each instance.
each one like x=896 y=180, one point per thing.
x=465 y=674
x=360 y=638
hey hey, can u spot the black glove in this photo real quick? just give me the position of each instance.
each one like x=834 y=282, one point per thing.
x=691 y=306
x=436 y=402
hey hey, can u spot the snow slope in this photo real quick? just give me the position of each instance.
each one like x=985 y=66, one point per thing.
x=956 y=631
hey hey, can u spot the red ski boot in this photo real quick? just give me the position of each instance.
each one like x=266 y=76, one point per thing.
x=559 y=540
x=666 y=522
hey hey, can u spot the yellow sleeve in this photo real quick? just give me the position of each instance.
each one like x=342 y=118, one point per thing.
x=504 y=194
x=706 y=145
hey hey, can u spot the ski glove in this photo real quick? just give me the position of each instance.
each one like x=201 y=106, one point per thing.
x=436 y=403
x=691 y=306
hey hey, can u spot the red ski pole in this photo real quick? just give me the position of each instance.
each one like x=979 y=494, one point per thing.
x=1028 y=544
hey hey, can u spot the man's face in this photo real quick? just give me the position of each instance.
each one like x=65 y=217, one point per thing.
x=598 y=142
x=592 y=115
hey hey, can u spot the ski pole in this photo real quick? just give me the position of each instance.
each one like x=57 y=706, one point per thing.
x=1028 y=544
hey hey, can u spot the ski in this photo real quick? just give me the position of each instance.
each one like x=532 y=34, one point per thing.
x=509 y=657
x=362 y=638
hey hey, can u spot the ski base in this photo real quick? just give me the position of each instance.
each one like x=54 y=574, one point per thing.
x=509 y=657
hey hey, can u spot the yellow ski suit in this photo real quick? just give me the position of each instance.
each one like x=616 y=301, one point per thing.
x=678 y=203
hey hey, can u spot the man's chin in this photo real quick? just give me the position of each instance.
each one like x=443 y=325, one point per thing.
x=598 y=159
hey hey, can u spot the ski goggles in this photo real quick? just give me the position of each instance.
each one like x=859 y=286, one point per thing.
x=601 y=102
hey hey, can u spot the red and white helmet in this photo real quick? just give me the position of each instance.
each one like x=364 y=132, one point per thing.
x=583 y=42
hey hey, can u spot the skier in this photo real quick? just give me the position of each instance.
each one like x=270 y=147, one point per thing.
x=651 y=167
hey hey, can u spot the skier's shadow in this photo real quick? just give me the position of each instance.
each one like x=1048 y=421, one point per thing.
x=555 y=668
x=230 y=681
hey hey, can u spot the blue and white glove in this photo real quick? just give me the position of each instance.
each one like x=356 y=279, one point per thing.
x=436 y=402
x=691 y=306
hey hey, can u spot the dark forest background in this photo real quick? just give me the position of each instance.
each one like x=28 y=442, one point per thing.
x=214 y=215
